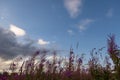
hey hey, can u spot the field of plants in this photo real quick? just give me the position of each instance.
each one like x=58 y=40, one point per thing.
x=71 y=68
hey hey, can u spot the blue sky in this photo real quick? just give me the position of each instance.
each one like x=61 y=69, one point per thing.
x=63 y=23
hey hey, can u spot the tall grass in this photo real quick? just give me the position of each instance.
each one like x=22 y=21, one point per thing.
x=71 y=68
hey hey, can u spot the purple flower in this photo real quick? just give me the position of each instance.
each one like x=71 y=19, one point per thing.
x=68 y=73
x=80 y=60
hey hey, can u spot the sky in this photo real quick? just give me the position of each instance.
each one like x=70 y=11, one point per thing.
x=29 y=25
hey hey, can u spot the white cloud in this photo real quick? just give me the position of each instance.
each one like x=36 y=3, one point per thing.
x=42 y=42
x=4 y=64
x=70 y=32
x=84 y=23
x=110 y=13
x=73 y=7
x=52 y=57
x=2 y=18
x=17 y=31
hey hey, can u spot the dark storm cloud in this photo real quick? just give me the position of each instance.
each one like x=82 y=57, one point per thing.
x=9 y=46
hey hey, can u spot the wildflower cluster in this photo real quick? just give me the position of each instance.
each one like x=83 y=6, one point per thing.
x=71 y=68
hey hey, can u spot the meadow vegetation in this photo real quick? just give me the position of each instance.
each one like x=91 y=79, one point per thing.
x=71 y=68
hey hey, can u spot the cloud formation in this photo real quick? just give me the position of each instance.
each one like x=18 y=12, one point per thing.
x=84 y=23
x=70 y=32
x=73 y=7
x=10 y=47
x=110 y=13
x=43 y=42
x=17 y=31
